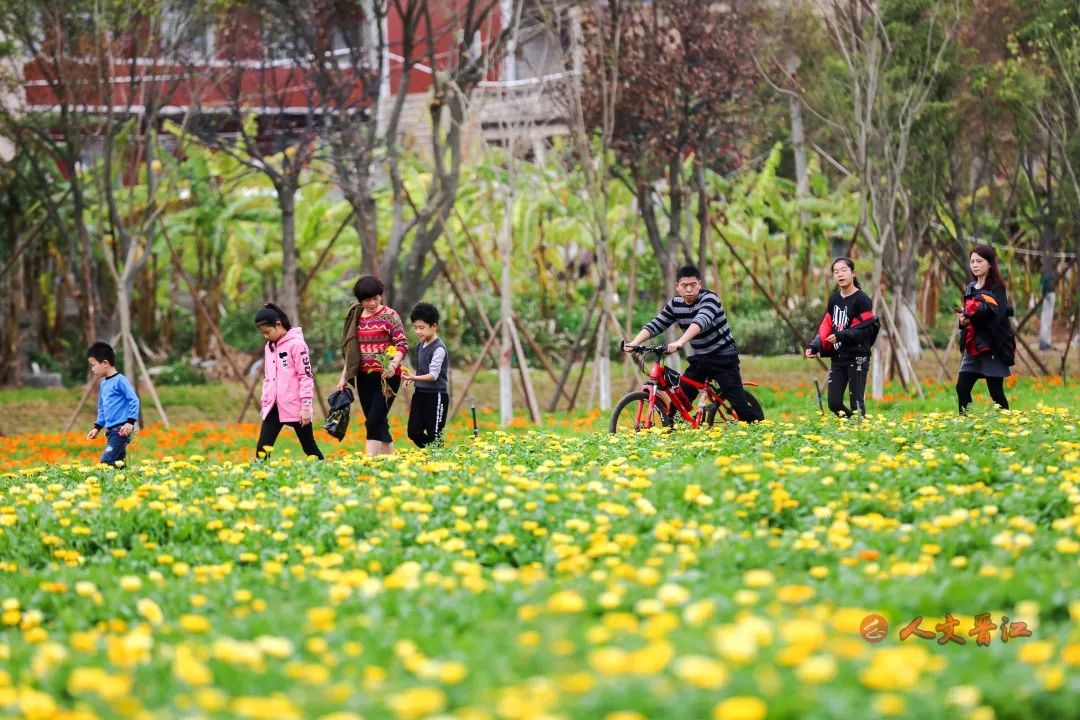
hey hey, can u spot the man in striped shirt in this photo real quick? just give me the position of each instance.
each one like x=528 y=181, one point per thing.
x=700 y=315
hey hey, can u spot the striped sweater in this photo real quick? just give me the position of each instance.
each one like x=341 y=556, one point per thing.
x=376 y=333
x=708 y=313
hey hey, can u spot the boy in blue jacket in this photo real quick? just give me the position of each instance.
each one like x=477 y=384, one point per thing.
x=118 y=405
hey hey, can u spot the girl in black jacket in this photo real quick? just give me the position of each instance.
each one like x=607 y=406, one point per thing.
x=986 y=332
x=846 y=334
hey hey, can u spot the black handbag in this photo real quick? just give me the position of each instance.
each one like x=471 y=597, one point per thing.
x=337 y=420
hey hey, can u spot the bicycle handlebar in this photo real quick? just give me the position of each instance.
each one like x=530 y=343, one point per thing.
x=659 y=349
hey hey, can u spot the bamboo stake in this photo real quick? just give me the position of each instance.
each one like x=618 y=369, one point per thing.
x=568 y=367
x=149 y=381
x=526 y=381
x=475 y=369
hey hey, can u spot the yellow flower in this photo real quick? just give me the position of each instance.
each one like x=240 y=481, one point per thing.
x=889 y=704
x=1036 y=652
x=418 y=702
x=740 y=707
x=610 y=661
x=758 y=578
x=566 y=601
x=98 y=682
x=794 y=594
x=130 y=583
x=194 y=623
x=188 y=669
x=150 y=610
x=701 y=671
x=817 y=669
x=963 y=696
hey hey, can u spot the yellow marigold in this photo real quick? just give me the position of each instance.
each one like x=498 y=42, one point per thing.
x=794 y=594
x=150 y=610
x=610 y=661
x=699 y=612
x=1070 y=654
x=418 y=702
x=130 y=583
x=817 y=669
x=701 y=671
x=890 y=704
x=189 y=669
x=740 y=707
x=194 y=623
x=652 y=658
x=1036 y=652
x=758 y=578
x=566 y=601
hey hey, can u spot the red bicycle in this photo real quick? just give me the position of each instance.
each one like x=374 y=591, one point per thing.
x=660 y=401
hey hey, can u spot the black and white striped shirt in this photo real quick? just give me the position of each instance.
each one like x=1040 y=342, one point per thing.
x=708 y=313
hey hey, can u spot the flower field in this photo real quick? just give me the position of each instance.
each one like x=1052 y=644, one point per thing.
x=727 y=574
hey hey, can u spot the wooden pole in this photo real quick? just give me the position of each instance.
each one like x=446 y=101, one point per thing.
x=149 y=381
x=584 y=364
x=90 y=385
x=930 y=344
x=539 y=352
x=248 y=399
x=901 y=357
x=475 y=369
x=568 y=367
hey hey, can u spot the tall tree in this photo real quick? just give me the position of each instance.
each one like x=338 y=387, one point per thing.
x=686 y=76
x=454 y=45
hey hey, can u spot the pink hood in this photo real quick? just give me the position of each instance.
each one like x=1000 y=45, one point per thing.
x=287 y=378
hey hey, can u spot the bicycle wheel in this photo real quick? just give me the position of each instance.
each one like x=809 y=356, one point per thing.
x=632 y=413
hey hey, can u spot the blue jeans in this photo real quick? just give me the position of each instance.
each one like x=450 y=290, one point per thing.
x=115 y=445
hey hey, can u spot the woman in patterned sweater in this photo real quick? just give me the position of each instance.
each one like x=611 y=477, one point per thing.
x=370 y=329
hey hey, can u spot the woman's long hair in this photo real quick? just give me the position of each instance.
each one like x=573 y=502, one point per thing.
x=993 y=278
x=270 y=315
x=851 y=264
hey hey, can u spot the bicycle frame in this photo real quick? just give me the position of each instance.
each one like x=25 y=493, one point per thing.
x=663 y=379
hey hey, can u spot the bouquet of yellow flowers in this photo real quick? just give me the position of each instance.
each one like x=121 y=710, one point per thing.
x=386 y=362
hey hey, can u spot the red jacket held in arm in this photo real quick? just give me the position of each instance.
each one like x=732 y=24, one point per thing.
x=826 y=328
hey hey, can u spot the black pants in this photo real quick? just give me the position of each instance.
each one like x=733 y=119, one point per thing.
x=845 y=375
x=271 y=428
x=724 y=369
x=966 y=381
x=375 y=404
x=427 y=417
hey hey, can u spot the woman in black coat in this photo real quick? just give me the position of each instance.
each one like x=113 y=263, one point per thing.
x=986 y=332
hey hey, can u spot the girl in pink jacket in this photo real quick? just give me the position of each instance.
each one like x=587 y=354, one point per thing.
x=288 y=382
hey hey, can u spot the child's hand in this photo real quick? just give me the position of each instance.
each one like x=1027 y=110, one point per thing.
x=305 y=417
x=126 y=429
x=831 y=339
x=407 y=376
x=810 y=353
x=92 y=434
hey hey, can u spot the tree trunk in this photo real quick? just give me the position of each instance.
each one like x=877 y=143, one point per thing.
x=290 y=300
x=798 y=136
x=506 y=378
x=364 y=220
